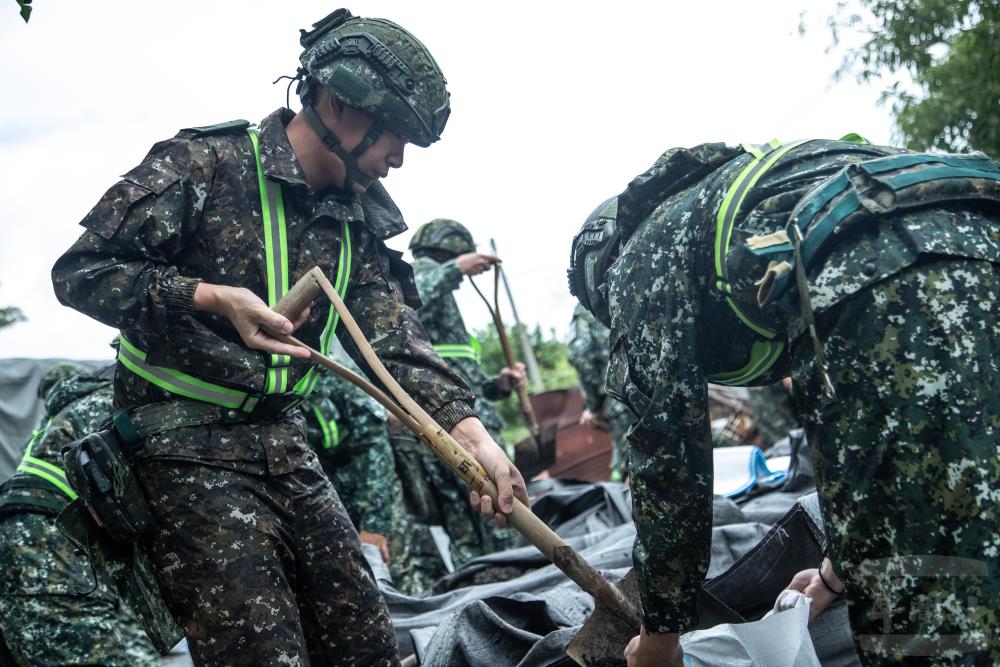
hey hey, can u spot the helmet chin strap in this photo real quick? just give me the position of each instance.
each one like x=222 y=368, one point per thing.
x=353 y=173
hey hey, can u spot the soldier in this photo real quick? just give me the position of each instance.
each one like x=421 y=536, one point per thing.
x=443 y=254
x=886 y=315
x=349 y=432
x=56 y=608
x=588 y=352
x=253 y=552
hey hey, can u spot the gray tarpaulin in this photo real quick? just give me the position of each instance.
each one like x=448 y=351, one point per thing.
x=20 y=408
x=527 y=620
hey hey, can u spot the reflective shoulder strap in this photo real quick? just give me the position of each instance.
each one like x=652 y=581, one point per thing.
x=306 y=385
x=763 y=353
x=32 y=465
x=472 y=350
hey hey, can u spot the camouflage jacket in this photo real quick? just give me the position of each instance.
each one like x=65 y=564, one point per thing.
x=349 y=432
x=671 y=328
x=588 y=350
x=436 y=284
x=191 y=211
x=75 y=405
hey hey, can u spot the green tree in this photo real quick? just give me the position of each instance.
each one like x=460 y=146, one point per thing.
x=9 y=315
x=951 y=51
x=555 y=368
x=25 y=6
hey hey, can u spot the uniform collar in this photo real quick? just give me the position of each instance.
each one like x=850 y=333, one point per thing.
x=276 y=156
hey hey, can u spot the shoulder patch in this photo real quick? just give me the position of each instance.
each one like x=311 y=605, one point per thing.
x=229 y=127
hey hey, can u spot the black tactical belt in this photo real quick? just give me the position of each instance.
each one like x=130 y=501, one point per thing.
x=147 y=420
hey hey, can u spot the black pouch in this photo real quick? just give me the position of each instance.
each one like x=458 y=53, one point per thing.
x=101 y=474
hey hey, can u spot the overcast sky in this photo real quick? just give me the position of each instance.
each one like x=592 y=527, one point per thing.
x=555 y=107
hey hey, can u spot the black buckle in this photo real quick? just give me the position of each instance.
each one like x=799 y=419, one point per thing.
x=273 y=406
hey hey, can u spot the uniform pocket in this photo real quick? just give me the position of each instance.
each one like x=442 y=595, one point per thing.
x=146 y=181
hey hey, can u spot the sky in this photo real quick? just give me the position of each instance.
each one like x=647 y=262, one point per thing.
x=556 y=106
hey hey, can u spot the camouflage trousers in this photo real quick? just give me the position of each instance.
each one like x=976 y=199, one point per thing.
x=55 y=609
x=908 y=460
x=264 y=569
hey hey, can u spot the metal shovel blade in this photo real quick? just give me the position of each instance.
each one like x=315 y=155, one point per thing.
x=602 y=639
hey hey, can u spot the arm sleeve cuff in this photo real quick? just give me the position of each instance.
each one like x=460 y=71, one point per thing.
x=177 y=293
x=452 y=413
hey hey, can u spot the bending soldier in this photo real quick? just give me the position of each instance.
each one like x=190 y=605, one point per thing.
x=885 y=314
x=255 y=556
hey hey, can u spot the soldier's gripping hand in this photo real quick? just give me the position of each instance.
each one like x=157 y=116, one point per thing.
x=649 y=650
x=473 y=436
x=512 y=378
x=474 y=263
x=251 y=317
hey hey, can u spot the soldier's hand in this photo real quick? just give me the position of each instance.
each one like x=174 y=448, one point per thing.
x=593 y=420
x=809 y=583
x=376 y=540
x=473 y=436
x=474 y=263
x=251 y=317
x=512 y=378
x=649 y=650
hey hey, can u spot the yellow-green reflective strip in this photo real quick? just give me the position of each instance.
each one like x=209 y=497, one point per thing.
x=59 y=483
x=327 y=442
x=446 y=351
x=178 y=382
x=340 y=285
x=763 y=356
x=334 y=432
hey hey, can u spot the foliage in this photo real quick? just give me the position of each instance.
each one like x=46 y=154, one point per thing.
x=9 y=315
x=553 y=364
x=950 y=49
x=25 y=6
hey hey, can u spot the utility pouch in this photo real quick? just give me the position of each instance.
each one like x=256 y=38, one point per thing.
x=99 y=471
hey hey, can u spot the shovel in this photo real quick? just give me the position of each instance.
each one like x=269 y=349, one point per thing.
x=615 y=618
x=542 y=441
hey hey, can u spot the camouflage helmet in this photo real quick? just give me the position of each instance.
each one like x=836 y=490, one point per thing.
x=595 y=247
x=442 y=234
x=376 y=65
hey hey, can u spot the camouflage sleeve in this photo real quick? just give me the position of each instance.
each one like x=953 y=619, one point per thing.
x=81 y=417
x=654 y=370
x=398 y=338
x=587 y=351
x=436 y=281
x=120 y=269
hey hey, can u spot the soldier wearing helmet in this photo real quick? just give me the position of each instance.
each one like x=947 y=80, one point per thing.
x=444 y=252
x=186 y=255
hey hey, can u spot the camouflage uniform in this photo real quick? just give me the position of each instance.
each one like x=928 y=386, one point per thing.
x=471 y=534
x=906 y=456
x=349 y=432
x=55 y=607
x=253 y=550
x=772 y=411
x=588 y=351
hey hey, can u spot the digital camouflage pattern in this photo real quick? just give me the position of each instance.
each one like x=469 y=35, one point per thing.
x=441 y=318
x=190 y=212
x=588 y=350
x=911 y=357
x=436 y=283
x=773 y=413
x=56 y=608
x=264 y=569
x=394 y=77
x=349 y=432
x=445 y=235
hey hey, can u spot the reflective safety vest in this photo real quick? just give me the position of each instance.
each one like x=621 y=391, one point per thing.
x=473 y=350
x=765 y=350
x=276 y=256
x=331 y=432
x=50 y=472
